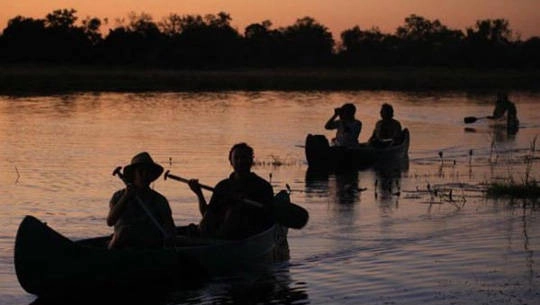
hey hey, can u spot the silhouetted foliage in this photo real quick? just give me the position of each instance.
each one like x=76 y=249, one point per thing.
x=263 y=46
x=210 y=42
x=53 y=39
x=21 y=38
x=426 y=42
x=138 y=42
x=307 y=42
x=370 y=47
x=489 y=43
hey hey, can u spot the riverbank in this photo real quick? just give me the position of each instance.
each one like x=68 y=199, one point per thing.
x=53 y=79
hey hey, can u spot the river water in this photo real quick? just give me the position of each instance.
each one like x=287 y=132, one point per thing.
x=422 y=233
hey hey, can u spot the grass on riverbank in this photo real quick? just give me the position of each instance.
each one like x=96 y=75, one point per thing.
x=30 y=79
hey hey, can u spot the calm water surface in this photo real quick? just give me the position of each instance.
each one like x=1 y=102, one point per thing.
x=393 y=243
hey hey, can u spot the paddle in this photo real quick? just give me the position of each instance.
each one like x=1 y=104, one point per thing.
x=117 y=172
x=283 y=212
x=472 y=119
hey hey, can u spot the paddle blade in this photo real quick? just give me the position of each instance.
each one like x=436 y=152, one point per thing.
x=470 y=119
x=287 y=213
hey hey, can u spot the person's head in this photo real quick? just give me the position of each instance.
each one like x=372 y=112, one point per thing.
x=347 y=111
x=502 y=96
x=142 y=170
x=387 y=111
x=241 y=158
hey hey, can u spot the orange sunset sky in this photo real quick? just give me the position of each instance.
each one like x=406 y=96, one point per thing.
x=337 y=15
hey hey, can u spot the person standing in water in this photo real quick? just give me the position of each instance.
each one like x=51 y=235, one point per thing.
x=504 y=106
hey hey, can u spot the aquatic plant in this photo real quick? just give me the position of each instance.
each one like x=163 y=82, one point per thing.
x=529 y=190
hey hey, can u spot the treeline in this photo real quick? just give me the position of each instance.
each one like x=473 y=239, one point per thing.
x=210 y=42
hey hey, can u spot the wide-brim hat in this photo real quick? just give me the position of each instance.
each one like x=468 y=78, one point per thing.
x=142 y=159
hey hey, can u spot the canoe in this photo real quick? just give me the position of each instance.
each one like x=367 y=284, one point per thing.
x=49 y=264
x=321 y=156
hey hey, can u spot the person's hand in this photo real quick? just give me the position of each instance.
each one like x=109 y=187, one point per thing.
x=195 y=186
x=130 y=190
x=236 y=198
x=337 y=111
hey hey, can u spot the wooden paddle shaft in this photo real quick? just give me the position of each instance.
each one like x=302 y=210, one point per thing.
x=206 y=187
x=181 y=179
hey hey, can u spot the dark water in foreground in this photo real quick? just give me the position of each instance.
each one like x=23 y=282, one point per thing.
x=393 y=243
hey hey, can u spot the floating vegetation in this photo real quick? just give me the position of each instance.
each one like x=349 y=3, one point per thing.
x=276 y=161
x=528 y=190
x=454 y=194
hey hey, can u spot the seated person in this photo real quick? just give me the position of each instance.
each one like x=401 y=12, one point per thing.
x=227 y=216
x=348 y=127
x=387 y=130
x=133 y=227
x=504 y=105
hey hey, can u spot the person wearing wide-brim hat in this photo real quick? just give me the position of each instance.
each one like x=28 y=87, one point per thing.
x=143 y=160
x=133 y=227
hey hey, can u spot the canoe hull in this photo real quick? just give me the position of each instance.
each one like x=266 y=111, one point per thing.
x=49 y=264
x=321 y=156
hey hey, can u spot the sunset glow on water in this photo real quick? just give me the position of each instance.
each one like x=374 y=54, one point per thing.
x=374 y=236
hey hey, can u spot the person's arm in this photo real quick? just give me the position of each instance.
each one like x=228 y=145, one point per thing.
x=331 y=123
x=117 y=206
x=168 y=222
x=397 y=131
x=377 y=131
x=356 y=130
x=498 y=112
x=196 y=188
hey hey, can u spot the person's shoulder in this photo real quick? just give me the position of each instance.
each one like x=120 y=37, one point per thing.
x=257 y=177
x=158 y=195
x=117 y=194
x=259 y=180
x=222 y=184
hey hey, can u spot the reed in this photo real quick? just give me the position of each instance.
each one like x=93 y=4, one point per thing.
x=528 y=188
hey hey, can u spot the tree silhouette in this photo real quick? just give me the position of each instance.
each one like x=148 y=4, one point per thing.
x=370 y=47
x=139 y=42
x=489 y=43
x=308 y=42
x=423 y=41
x=21 y=38
x=201 y=42
x=210 y=42
x=264 y=46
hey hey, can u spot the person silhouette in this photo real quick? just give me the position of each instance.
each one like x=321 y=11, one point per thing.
x=388 y=130
x=504 y=106
x=348 y=127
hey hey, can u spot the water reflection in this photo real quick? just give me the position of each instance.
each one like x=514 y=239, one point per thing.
x=75 y=143
x=499 y=133
x=346 y=188
x=271 y=285
x=343 y=186
x=388 y=180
